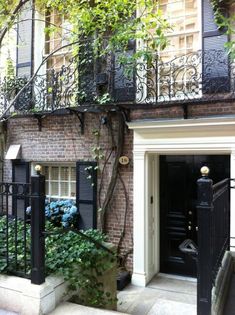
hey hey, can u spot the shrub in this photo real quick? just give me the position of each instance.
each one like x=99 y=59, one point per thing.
x=71 y=255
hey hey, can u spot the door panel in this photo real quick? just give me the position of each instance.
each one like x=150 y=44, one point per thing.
x=178 y=197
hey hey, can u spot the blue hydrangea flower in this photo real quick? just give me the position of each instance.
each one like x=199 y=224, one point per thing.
x=28 y=210
x=73 y=210
x=65 y=217
x=48 y=213
x=56 y=210
x=65 y=224
x=52 y=205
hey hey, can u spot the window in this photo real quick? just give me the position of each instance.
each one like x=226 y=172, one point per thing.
x=57 y=39
x=60 y=181
x=183 y=16
x=178 y=70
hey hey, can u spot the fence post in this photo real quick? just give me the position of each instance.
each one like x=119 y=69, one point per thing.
x=37 y=227
x=204 y=268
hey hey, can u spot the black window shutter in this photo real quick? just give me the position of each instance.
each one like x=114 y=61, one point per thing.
x=20 y=174
x=24 y=56
x=24 y=43
x=86 y=71
x=86 y=194
x=215 y=70
x=123 y=83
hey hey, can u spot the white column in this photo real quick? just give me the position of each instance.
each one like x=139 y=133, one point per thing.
x=232 y=206
x=139 y=276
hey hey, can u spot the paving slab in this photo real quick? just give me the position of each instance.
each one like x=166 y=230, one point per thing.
x=164 y=307
x=163 y=296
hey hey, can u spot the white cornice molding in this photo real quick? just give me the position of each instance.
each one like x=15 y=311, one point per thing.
x=182 y=123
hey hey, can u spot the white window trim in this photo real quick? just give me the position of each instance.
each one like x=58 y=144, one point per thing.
x=60 y=165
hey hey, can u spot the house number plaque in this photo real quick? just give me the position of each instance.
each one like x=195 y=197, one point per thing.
x=124 y=160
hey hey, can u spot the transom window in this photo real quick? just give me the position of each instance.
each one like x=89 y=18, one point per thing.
x=60 y=181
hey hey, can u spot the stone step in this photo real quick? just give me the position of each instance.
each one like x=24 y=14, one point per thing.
x=68 y=308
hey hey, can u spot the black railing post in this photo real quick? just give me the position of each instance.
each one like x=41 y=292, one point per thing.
x=204 y=269
x=37 y=228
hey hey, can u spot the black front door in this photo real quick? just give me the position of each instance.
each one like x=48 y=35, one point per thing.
x=178 y=193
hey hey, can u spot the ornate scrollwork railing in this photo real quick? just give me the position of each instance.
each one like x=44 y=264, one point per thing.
x=198 y=76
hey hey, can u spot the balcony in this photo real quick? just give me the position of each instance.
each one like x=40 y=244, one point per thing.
x=193 y=78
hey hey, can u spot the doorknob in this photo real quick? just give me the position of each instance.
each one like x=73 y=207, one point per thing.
x=196 y=228
x=189 y=228
x=190 y=213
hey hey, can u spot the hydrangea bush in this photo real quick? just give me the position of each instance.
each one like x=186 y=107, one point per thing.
x=60 y=212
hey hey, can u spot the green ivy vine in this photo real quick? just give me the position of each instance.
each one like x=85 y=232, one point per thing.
x=75 y=257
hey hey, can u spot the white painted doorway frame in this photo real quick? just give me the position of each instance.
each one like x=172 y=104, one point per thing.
x=151 y=139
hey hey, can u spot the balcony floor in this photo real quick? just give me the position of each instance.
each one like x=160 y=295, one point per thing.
x=164 y=295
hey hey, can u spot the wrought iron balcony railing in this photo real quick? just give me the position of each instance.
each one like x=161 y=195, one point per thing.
x=195 y=77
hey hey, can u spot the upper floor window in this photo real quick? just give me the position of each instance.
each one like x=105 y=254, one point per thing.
x=184 y=18
x=56 y=39
x=172 y=77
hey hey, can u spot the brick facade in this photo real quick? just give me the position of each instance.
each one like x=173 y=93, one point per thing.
x=61 y=141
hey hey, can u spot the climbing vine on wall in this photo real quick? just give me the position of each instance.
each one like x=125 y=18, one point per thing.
x=225 y=22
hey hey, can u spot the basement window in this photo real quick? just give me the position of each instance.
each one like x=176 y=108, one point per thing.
x=60 y=181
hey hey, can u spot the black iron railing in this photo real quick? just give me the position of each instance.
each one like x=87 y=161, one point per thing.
x=22 y=230
x=195 y=77
x=21 y=234
x=220 y=223
x=213 y=237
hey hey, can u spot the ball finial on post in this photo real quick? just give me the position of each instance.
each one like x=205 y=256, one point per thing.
x=205 y=171
x=38 y=169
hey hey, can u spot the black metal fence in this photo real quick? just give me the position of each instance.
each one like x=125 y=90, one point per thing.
x=196 y=77
x=22 y=229
x=213 y=236
x=21 y=233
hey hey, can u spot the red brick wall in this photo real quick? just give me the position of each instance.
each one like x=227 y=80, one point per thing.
x=60 y=140
x=193 y=111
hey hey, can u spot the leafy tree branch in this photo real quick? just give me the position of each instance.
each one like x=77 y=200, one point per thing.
x=8 y=15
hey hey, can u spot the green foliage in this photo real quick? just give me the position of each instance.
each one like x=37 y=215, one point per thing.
x=103 y=99
x=68 y=254
x=80 y=262
x=6 y=9
x=9 y=69
x=16 y=245
x=111 y=24
x=97 y=150
x=225 y=22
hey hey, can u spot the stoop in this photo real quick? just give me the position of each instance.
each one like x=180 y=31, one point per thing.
x=21 y=296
